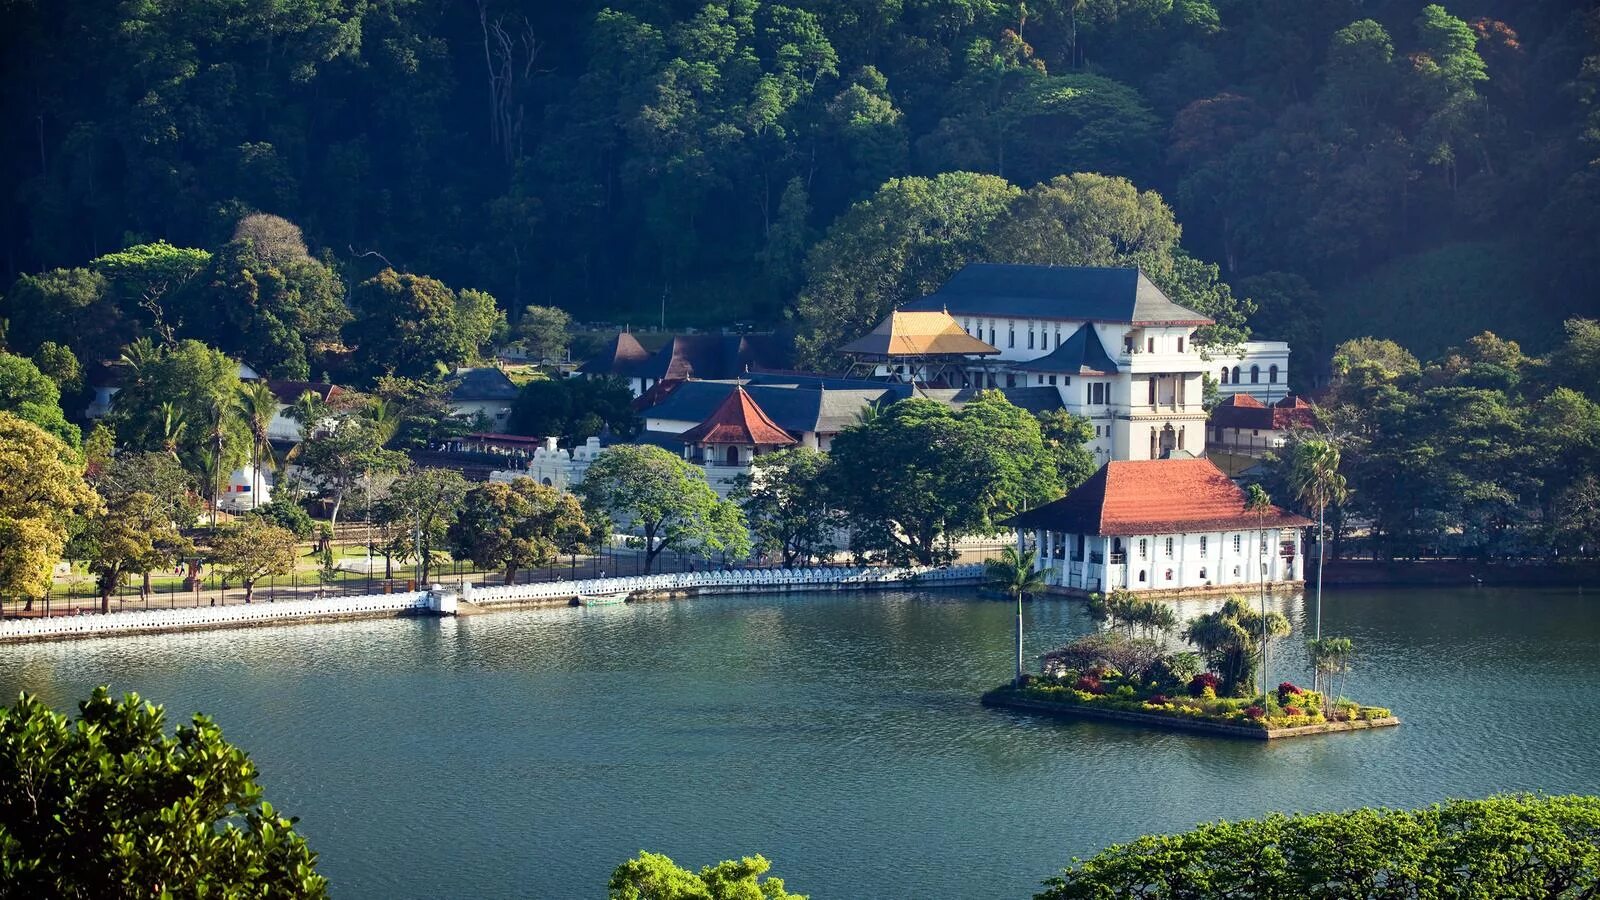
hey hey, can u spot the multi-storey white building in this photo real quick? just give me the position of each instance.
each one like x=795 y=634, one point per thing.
x=1115 y=347
x=1260 y=369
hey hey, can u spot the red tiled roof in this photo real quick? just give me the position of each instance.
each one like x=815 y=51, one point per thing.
x=738 y=420
x=1244 y=411
x=1163 y=496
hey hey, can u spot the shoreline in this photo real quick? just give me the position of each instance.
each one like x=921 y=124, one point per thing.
x=444 y=601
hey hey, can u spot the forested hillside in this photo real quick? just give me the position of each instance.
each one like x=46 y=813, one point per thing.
x=1387 y=166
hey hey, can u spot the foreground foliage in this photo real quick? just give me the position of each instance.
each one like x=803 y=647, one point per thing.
x=110 y=806
x=654 y=876
x=1512 y=846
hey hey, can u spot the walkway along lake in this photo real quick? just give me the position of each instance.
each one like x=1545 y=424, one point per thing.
x=525 y=754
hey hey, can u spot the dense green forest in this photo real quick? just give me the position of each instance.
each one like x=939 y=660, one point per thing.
x=1354 y=166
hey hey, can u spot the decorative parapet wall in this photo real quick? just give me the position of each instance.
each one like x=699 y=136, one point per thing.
x=159 y=620
x=731 y=582
x=443 y=601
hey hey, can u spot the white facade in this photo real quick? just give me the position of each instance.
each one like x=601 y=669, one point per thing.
x=1150 y=406
x=1261 y=370
x=1163 y=562
x=246 y=490
x=553 y=467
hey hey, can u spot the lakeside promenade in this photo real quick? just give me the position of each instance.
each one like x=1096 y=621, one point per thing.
x=448 y=600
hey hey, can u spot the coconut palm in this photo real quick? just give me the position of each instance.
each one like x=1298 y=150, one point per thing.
x=1314 y=477
x=1014 y=573
x=173 y=426
x=257 y=404
x=1257 y=501
x=1330 y=657
x=384 y=417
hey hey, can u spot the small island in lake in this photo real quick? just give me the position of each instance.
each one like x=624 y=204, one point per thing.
x=1126 y=675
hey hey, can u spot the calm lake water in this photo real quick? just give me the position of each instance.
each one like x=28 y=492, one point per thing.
x=526 y=754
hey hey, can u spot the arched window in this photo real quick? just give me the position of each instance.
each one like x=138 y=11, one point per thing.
x=1141 y=575
x=1235 y=374
x=546 y=482
x=1224 y=378
x=733 y=456
x=1255 y=374
x=1272 y=374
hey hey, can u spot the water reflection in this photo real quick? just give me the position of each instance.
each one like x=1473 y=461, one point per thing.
x=525 y=754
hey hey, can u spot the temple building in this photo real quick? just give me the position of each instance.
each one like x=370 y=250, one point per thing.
x=1245 y=426
x=1114 y=347
x=1172 y=526
x=916 y=347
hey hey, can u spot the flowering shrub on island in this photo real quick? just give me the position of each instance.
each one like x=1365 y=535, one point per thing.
x=1201 y=682
x=1156 y=691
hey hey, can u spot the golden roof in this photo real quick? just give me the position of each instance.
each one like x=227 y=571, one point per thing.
x=918 y=334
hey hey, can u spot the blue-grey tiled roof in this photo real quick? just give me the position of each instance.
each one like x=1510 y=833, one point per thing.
x=1080 y=354
x=485 y=383
x=1078 y=293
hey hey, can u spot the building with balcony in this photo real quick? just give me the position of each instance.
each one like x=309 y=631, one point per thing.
x=1167 y=527
x=1114 y=347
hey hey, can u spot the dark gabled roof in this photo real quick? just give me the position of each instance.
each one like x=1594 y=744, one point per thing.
x=1081 y=354
x=1163 y=496
x=623 y=357
x=709 y=356
x=795 y=409
x=486 y=383
x=739 y=420
x=288 y=392
x=1077 y=293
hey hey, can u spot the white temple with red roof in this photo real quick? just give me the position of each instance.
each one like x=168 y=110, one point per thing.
x=1170 y=526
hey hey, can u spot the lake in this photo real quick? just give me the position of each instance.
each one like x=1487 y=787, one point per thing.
x=525 y=754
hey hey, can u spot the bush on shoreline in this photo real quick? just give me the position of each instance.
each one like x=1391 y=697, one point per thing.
x=1506 y=846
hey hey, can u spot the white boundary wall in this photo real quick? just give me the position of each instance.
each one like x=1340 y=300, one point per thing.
x=144 y=621
x=736 y=581
x=444 y=603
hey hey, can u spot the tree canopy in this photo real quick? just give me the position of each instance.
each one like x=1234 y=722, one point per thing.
x=108 y=804
x=667 y=499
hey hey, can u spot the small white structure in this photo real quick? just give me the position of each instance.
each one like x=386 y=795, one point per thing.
x=1162 y=526
x=553 y=467
x=1261 y=371
x=246 y=489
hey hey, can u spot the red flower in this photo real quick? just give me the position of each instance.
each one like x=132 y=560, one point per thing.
x=1254 y=712
x=1158 y=699
x=1292 y=711
x=1089 y=683
x=1202 y=681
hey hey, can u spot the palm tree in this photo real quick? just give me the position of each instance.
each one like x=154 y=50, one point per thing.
x=1314 y=477
x=1330 y=656
x=173 y=425
x=384 y=416
x=1015 y=574
x=258 y=404
x=1256 y=499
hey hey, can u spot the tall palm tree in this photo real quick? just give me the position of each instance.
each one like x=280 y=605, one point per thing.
x=216 y=472
x=384 y=416
x=1314 y=477
x=257 y=404
x=1257 y=501
x=173 y=425
x=1015 y=574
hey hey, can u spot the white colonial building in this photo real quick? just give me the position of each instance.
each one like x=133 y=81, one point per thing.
x=1175 y=526
x=1115 y=347
x=1260 y=370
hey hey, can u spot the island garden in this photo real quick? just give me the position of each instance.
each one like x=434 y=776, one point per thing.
x=1128 y=673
